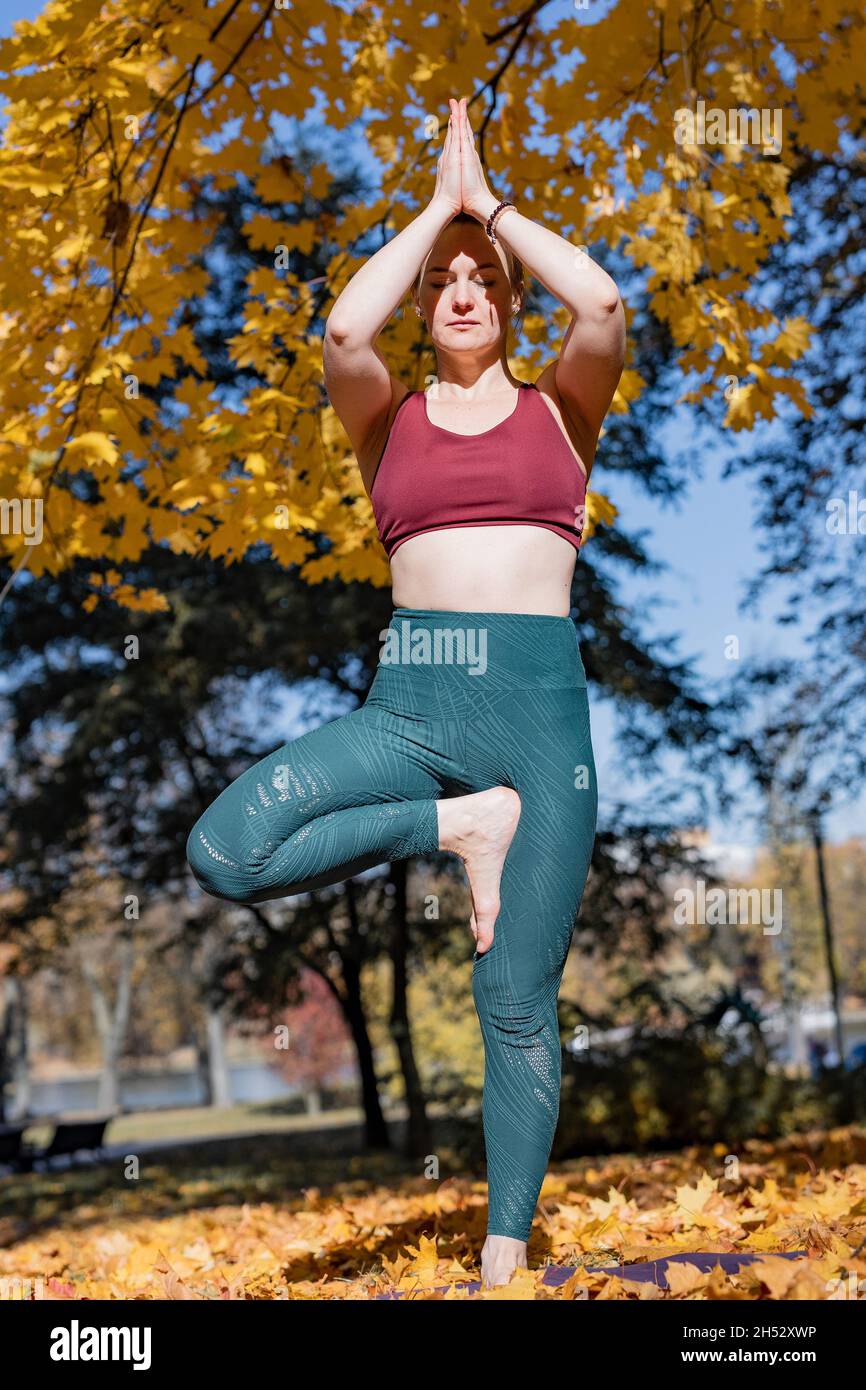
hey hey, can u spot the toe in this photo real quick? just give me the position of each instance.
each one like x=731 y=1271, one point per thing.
x=484 y=933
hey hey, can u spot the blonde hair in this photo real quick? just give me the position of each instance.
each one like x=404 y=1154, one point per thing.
x=514 y=265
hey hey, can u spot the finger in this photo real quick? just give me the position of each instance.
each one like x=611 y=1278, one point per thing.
x=470 y=133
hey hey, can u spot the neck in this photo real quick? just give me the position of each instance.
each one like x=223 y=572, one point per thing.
x=461 y=381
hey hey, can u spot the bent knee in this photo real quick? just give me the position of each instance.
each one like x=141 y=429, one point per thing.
x=215 y=871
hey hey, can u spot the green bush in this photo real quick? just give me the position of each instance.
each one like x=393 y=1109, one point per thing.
x=666 y=1092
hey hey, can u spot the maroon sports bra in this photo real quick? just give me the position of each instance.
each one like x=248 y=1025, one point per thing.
x=520 y=472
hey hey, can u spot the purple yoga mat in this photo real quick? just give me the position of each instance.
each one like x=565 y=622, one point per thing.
x=652 y=1271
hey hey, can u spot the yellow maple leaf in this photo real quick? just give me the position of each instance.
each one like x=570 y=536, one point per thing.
x=94 y=444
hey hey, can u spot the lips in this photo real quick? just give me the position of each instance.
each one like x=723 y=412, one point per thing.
x=463 y=323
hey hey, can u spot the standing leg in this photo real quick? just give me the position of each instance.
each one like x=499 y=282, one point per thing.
x=537 y=741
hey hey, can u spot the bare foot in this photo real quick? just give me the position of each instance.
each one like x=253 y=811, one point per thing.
x=479 y=828
x=500 y=1257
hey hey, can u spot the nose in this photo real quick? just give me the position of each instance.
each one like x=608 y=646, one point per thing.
x=462 y=299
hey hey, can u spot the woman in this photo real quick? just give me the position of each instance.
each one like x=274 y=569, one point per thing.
x=475 y=737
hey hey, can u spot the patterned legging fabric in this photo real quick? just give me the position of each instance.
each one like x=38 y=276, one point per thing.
x=461 y=701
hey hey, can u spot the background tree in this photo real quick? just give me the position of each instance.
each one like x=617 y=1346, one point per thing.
x=317 y=1044
x=108 y=149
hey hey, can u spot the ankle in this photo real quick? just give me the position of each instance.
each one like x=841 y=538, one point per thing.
x=500 y=1257
x=461 y=818
x=454 y=824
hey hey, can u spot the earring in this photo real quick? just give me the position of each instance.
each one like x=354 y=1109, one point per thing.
x=417 y=311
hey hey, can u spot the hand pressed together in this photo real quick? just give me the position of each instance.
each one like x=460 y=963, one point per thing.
x=460 y=178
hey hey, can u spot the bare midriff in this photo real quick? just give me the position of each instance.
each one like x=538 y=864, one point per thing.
x=485 y=569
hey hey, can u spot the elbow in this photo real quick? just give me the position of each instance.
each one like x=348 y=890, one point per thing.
x=599 y=306
x=336 y=332
x=341 y=338
x=344 y=341
x=605 y=296
x=608 y=313
x=609 y=302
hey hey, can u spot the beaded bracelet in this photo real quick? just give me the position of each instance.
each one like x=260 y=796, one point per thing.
x=491 y=221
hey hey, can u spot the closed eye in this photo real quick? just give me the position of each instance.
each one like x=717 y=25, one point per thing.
x=441 y=284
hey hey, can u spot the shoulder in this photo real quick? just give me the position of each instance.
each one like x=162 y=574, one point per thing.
x=572 y=425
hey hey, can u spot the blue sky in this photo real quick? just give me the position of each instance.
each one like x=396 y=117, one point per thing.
x=710 y=542
x=10 y=10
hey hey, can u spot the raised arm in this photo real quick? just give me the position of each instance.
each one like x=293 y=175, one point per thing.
x=593 y=349
x=359 y=385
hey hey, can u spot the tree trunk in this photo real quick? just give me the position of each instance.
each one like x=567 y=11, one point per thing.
x=111 y=1024
x=797 y=1057
x=202 y=1068
x=15 y=1048
x=192 y=1027
x=818 y=842
x=419 y=1138
x=218 y=1073
x=376 y=1134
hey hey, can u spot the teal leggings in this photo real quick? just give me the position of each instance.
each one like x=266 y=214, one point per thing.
x=460 y=702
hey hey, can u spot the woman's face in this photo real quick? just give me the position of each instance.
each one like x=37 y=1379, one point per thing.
x=465 y=294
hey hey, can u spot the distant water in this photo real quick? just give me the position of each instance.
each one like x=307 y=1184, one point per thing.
x=249 y=1081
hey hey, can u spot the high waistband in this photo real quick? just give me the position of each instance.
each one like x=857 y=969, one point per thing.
x=512 y=650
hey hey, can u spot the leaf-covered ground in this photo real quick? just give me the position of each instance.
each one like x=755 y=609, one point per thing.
x=247 y=1224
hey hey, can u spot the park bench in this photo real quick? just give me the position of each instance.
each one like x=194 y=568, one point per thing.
x=69 y=1138
x=10 y=1145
